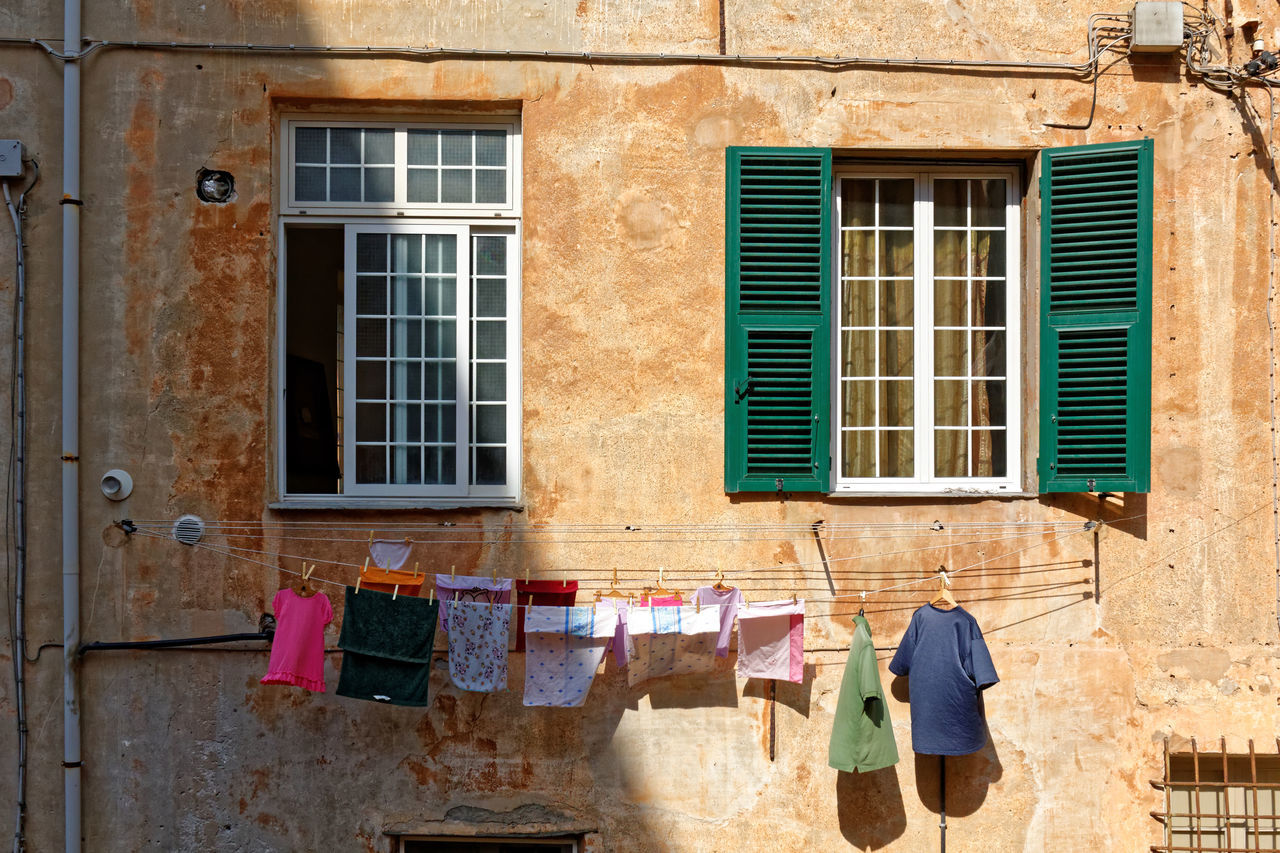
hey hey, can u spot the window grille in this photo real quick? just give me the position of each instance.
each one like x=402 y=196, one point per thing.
x=1219 y=802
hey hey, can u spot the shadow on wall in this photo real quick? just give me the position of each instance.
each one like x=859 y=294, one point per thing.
x=869 y=807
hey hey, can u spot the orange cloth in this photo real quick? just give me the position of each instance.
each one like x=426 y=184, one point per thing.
x=386 y=580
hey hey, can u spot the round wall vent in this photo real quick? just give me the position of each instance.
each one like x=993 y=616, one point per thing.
x=188 y=529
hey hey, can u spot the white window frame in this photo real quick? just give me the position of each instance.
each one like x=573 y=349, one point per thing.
x=468 y=221
x=925 y=483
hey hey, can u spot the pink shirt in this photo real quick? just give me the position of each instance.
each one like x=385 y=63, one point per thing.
x=297 y=652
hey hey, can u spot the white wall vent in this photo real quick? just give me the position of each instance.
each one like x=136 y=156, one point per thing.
x=189 y=529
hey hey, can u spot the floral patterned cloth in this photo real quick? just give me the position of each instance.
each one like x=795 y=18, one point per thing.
x=565 y=646
x=478 y=645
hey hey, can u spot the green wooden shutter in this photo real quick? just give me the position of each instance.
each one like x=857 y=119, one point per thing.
x=1095 y=289
x=777 y=335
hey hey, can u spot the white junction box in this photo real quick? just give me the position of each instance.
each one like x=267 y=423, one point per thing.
x=10 y=158
x=1157 y=27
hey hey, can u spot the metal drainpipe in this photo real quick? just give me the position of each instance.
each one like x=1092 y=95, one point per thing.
x=71 y=203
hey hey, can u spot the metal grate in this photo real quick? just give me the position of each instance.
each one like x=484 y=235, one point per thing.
x=1219 y=802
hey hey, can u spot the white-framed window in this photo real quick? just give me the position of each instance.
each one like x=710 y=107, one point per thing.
x=400 y=294
x=926 y=333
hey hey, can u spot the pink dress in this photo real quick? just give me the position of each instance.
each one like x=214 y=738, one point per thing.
x=297 y=652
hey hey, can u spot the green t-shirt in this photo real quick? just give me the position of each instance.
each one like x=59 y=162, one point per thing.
x=862 y=736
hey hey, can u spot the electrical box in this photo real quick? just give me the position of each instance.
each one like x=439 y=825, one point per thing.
x=1157 y=27
x=10 y=158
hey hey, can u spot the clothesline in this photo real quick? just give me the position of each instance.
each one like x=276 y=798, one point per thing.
x=611 y=527
x=838 y=598
x=816 y=565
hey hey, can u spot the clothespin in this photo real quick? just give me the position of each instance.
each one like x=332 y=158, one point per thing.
x=453 y=573
x=360 y=576
x=526 y=573
x=415 y=571
x=370 y=537
x=697 y=605
x=862 y=607
x=494 y=574
x=564 y=579
x=795 y=599
x=408 y=541
x=395 y=592
x=432 y=596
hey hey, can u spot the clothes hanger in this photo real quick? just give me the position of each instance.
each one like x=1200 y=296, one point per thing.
x=863 y=606
x=613 y=592
x=720 y=584
x=943 y=595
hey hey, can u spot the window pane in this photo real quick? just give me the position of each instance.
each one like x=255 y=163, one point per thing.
x=859 y=451
x=344 y=184
x=858 y=203
x=406 y=422
x=455 y=186
x=988 y=449
x=422 y=147
x=949 y=253
x=371 y=380
x=988 y=253
x=897 y=402
x=990 y=406
x=310 y=183
x=950 y=203
x=859 y=303
x=371 y=253
x=371 y=422
x=859 y=253
x=422 y=186
x=371 y=464
x=897 y=303
x=897 y=453
x=491 y=382
x=988 y=353
x=379 y=185
x=310 y=145
x=371 y=294
x=490 y=255
x=950 y=353
x=897 y=197
x=371 y=338
x=859 y=404
x=859 y=353
x=988 y=303
x=491 y=424
x=406 y=253
x=491 y=339
x=379 y=146
x=949 y=303
x=491 y=187
x=441 y=339
x=989 y=202
x=897 y=253
x=897 y=353
x=949 y=453
x=949 y=398
x=491 y=148
x=406 y=339
x=344 y=145
x=441 y=297
x=406 y=295
x=491 y=466
x=455 y=149
x=491 y=298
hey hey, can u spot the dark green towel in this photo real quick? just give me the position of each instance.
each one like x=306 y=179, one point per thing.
x=386 y=647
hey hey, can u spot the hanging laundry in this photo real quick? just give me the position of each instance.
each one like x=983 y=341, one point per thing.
x=469 y=588
x=390 y=553
x=862 y=736
x=478 y=636
x=670 y=641
x=387 y=647
x=728 y=599
x=618 y=643
x=565 y=647
x=949 y=666
x=559 y=593
x=771 y=641
x=297 y=650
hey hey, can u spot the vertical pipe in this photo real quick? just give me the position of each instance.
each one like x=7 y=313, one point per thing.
x=942 y=803
x=71 y=425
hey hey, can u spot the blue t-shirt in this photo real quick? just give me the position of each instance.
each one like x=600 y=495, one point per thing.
x=944 y=654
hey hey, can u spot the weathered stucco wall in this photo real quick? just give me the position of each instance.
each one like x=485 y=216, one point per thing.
x=623 y=318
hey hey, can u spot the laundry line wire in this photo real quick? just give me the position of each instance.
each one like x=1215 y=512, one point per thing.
x=233 y=553
x=678 y=573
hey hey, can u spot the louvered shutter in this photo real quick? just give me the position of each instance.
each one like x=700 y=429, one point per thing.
x=1095 y=388
x=777 y=353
